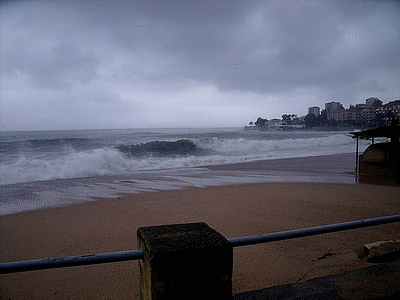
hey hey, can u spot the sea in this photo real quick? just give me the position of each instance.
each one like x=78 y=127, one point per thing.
x=43 y=169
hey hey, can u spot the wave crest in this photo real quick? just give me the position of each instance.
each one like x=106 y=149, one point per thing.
x=159 y=148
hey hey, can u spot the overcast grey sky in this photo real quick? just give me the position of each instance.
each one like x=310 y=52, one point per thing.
x=126 y=64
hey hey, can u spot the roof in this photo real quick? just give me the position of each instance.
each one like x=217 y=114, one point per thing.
x=389 y=132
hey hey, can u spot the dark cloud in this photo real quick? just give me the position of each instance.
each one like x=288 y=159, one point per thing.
x=160 y=57
x=64 y=66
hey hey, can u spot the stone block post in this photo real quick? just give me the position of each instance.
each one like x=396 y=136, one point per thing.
x=184 y=261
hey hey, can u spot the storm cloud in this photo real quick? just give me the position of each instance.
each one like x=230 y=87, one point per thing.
x=119 y=64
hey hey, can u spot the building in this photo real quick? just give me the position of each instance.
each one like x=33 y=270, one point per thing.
x=367 y=115
x=275 y=122
x=373 y=102
x=360 y=106
x=314 y=110
x=331 y=106
x=393 y=106
x=345 y=115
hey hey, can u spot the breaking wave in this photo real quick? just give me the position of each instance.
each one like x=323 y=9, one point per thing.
x=84 y=157
x=159 y=148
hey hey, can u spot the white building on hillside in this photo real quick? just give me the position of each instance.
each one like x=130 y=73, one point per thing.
x=331 y=106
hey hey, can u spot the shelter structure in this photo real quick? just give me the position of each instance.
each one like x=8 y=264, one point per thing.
x=379 y=159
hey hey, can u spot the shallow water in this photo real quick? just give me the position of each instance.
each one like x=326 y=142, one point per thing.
x=48 y=155
x=16 y=198
x=56 y=168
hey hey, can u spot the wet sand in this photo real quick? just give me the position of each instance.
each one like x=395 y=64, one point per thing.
x=236 y=210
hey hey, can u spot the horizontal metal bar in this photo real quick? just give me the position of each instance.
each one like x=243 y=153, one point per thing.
x=69 y=261
x=298 y=233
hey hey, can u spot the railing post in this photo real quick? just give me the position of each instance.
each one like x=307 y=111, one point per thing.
x=184 y=261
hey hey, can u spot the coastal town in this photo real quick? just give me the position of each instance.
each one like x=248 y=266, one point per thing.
x=371 y=114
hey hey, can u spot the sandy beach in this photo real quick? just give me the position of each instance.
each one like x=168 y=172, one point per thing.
x=236 y=210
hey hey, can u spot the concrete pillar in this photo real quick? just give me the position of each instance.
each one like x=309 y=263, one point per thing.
x=184 y=261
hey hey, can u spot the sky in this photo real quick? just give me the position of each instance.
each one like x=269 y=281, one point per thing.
x=150 y=64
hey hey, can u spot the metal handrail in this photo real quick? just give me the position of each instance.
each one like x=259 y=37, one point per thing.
x=69 y=261
x=91 y=259
x=297 y=233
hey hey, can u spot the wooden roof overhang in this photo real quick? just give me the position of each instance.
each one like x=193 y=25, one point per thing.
x=392 y=132
x=389 y=132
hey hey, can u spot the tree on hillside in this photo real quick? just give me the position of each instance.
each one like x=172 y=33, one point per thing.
x=286 y=118
x=324 y=115
x=261 y=122
x=311 y=121
x=383 y=119
x=289 y=117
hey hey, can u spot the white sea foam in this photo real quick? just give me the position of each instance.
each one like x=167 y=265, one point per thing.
x=30 y=163
x=217 y=150
x=76 y=164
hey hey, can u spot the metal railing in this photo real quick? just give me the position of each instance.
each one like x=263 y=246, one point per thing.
x=69 y=261
x=91 y=259
x=298 y=233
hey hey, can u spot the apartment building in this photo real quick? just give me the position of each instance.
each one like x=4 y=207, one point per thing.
x=314 y=110
x=367 y=114
x=372 y=101
x=331 y=106
x=393 y=106
x=345 y=115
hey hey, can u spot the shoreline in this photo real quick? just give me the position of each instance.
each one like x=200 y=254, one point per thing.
x=234 y=208
x=17 y=198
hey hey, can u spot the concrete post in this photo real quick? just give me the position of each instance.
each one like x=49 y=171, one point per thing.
x=184 y=261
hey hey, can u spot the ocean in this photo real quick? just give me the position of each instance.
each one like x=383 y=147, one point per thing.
x=40 y=169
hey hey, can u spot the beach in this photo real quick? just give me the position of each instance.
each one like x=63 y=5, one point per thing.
x=328 y=194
